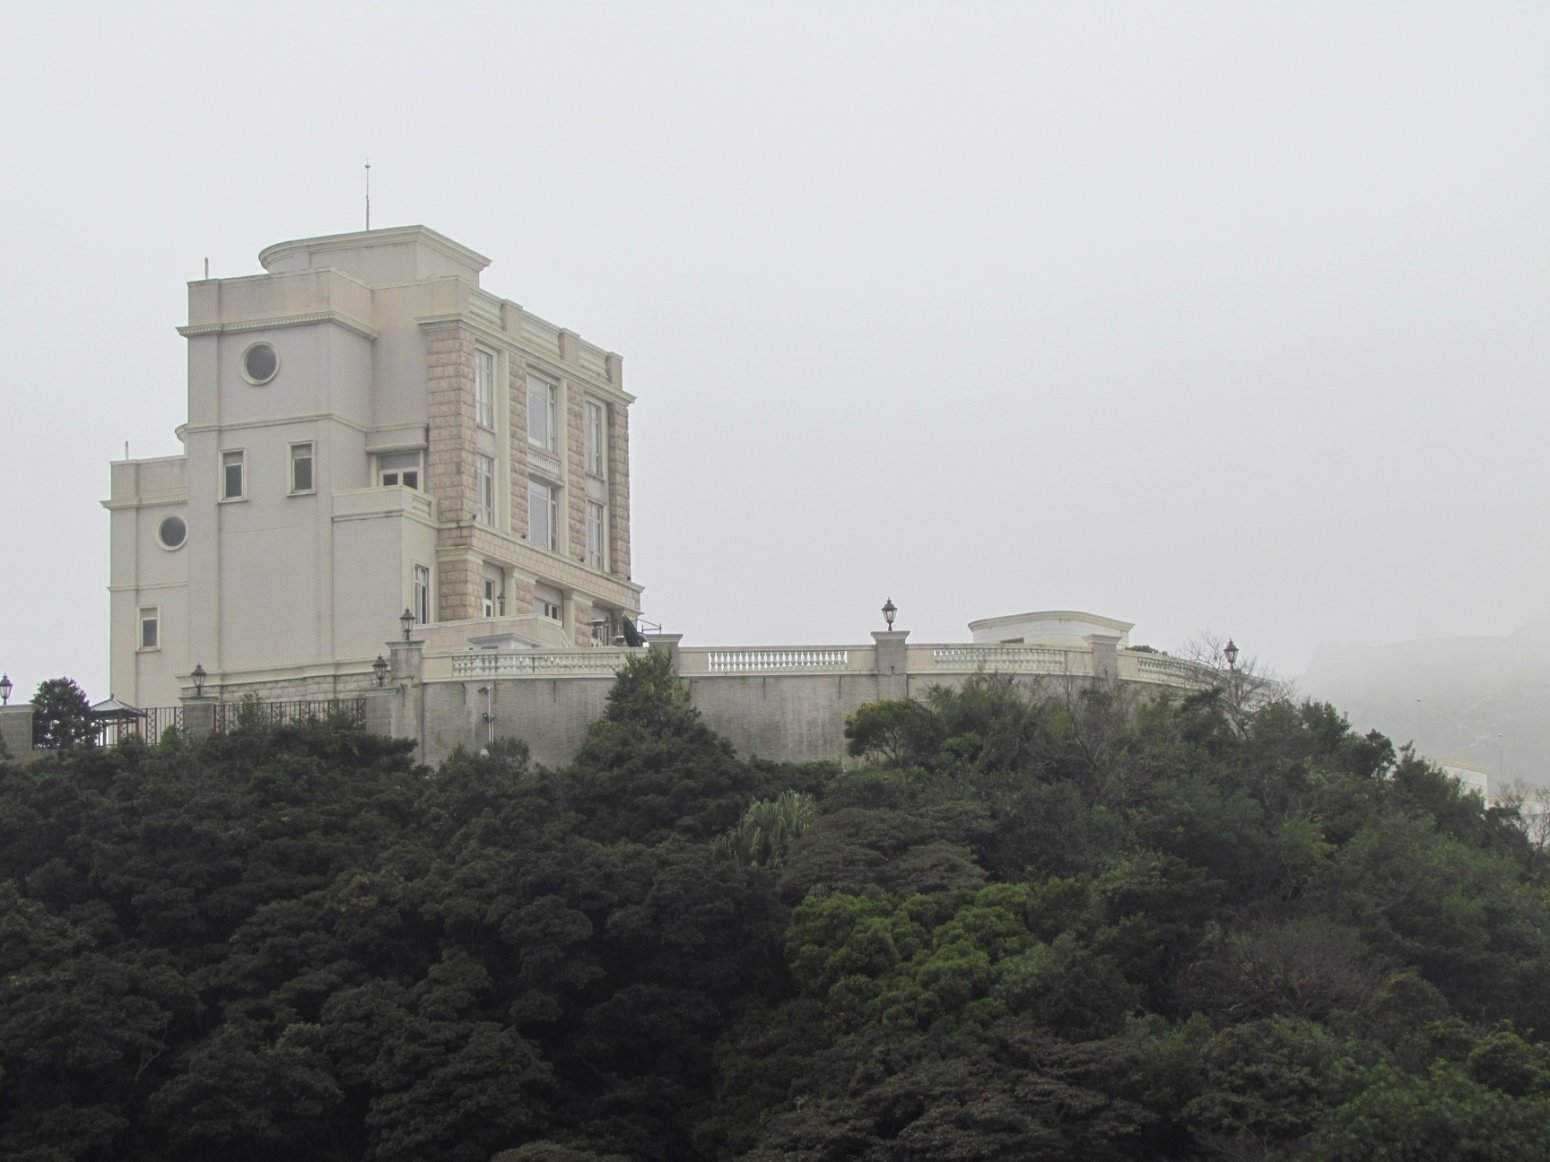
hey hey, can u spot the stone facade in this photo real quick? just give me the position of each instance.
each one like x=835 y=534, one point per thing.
x=377 y=347
x=619 y=491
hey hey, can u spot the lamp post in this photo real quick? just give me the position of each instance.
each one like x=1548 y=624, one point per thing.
x=6 y=686
x=1230 y=652
x=406 y=622
x=379 y=669
x=890 y=610
x=199 y=677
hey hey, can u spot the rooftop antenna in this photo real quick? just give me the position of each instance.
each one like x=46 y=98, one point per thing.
x=207 y=269
x=368 y=194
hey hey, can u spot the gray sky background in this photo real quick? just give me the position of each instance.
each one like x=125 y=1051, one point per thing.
x=1224 y=317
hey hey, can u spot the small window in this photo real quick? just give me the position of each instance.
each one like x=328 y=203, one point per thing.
x=540 y=414
x=543 y=504
x=260 y=363
x=399 y=468
x=597 y=436
x=232 y=473
x=150 y=628
x=547 y=602
x=597 y=534
x=484 y=389
x=422 y=594
x=172 y=532
x=301 y=468
x=484 y=495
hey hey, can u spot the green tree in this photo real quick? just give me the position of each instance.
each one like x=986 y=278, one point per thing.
x=61 y=716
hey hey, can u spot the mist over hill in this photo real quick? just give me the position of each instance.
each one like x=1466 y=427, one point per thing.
x=1476 y=698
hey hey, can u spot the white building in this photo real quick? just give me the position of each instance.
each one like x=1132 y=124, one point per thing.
x=368 y=431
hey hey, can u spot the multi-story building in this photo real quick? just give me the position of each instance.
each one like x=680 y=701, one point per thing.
x=369 y=431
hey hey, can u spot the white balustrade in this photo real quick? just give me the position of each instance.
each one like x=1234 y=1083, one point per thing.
x=1019 y=659
x=754 y=661
x=540 y=663
x=1172 y=671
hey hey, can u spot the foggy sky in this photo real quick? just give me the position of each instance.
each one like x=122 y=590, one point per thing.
x=1211 y=317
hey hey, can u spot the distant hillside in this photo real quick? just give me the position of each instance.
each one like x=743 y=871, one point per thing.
x=1481 y=698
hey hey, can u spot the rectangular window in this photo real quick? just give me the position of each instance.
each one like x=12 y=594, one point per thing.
x=301 y=468
x=540 y=414
x=597 y=526
x=422 y=594
x=399 y=468
x=232 y=464
x=547 y=601
x=597 y=436
x=494 y=597
x=484 y=496
x=150 y=628
x=543 y=503
x=484 y=389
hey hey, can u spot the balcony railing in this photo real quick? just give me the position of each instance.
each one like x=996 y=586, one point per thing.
x=598 y=660
x=755 y=661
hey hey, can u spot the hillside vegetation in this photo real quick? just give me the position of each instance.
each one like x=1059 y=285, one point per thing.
x=1055 y=925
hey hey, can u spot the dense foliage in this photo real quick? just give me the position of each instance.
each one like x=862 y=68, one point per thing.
x=1045 y=927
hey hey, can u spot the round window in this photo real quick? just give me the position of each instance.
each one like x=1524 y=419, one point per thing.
x=259 y=363
x=172 y=532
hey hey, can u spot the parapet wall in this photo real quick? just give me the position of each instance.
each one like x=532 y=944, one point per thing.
x=785 y=703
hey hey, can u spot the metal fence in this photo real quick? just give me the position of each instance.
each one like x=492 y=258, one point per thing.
x=150 y=724
x=252 y=712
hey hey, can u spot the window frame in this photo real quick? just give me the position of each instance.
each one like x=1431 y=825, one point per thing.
x=597 y=536
x=550 y=398
x=420 y=592
x=484 y=388
x=595 y=440
x=484 y=489
x=161 y=541
x=551 y=493
x=241 y=465
x=154 y=620
x=312 y=466
x=383 y=469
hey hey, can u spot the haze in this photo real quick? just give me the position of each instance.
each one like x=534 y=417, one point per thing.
x=1212 y=317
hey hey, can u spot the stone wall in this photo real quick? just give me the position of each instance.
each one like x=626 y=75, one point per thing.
x=618 y=491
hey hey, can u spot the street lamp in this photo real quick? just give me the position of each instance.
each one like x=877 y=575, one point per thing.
x=199 y=677
x=1230 y=652
x=380 y=669
x=6 y=686
x=889 y=611
x=406 y=622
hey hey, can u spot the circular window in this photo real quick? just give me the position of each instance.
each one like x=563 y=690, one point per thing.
x=172 y=532
x=259 y=363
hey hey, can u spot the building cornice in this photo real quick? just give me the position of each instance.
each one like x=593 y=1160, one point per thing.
x=424 y=235
x=348 y=322
x=277 y=422
x=147 y=501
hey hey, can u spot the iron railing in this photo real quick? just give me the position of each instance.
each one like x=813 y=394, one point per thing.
x=252 y=712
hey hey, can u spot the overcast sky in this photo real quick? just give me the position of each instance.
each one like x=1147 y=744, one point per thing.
x=1226 y=317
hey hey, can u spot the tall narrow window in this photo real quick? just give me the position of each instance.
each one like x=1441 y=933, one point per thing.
x=597 y=428
x=150 y=628
x=232 y=464
x=542 y=514
x=597 y=525
x=484 y=389
x=422 y=594
x=399 y=468
x=494 y=597
x=540 y=414
x=485 y=495
x=301 y=468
